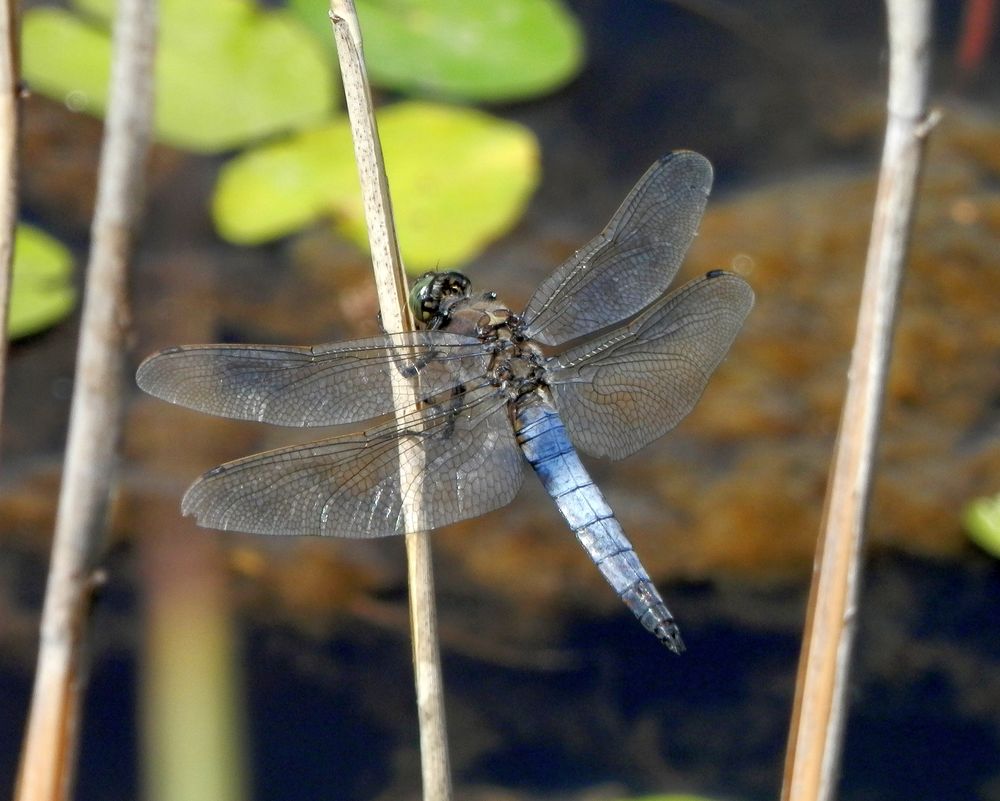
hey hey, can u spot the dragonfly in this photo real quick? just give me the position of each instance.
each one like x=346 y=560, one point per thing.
x=602 y=360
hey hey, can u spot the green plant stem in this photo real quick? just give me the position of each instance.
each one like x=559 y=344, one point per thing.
x=192 y=697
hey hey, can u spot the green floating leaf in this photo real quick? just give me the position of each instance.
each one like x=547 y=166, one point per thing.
x=66 y=60
x=461 y=50
x=982 y=522
x=459 y=179
x=42 y=291
x=226 y=72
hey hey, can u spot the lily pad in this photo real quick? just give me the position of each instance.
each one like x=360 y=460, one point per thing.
x=455 y=49
x=226 y=72
x=459 y=179
x=42 y=292
x=982 y=522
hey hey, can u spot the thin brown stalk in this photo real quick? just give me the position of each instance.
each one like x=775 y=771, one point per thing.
x=9 y=116
x=50 y=746
x=390 y=280
x=816 y=734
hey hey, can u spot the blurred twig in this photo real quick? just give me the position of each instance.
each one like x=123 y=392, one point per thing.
x=49 y=755
x=816 y=734
x=974 y=41
x=390 y=280
x=194 y=735
x=9 y=115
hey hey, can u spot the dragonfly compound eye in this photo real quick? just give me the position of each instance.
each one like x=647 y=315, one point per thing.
x=433 y=293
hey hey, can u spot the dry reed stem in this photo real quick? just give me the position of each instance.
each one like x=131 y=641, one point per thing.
x=9 y=126
x=391 y=283
x=50 y=745
x=816 y=733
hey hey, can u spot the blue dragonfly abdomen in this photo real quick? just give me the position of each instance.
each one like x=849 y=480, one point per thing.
x=547 y=447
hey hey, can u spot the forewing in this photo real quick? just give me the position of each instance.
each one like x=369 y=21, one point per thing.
x=462 y=450
x=632 y=262
x=642 y=380
x=322 y=385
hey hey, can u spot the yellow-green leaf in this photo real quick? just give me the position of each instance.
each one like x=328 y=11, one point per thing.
x=66 y=59
x=473 y=51
x=459 y=179
x=42 y=292
x=226 y=72
x=982 y=522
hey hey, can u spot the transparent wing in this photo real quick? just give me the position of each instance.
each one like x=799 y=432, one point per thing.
x=622 y=393
x=463 y=450
x=309 y=386
x=632 y=262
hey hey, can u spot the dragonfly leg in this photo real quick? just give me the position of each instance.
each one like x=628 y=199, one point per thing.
x=410 y=368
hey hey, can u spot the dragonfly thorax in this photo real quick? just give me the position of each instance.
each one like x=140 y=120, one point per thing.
x=517 y=370
x=516 y=364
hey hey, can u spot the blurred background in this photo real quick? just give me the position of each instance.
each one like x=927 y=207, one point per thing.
x=230 y=666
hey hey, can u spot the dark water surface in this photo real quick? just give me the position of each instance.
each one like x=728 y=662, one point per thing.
x=331 y=718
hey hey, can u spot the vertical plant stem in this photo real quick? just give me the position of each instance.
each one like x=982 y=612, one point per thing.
x=50 y=746
x=9 y=117
x=390 y=280
x=192 y=697
x=816 y=734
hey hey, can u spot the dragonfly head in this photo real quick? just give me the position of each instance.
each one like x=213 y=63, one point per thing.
x=434 y=294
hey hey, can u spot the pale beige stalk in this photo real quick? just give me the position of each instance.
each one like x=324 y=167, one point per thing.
x=50 y=745
x=391 y=283
x=9 y=116
x=816 y=735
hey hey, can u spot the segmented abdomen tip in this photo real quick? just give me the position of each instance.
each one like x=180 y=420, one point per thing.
x=670 y=636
